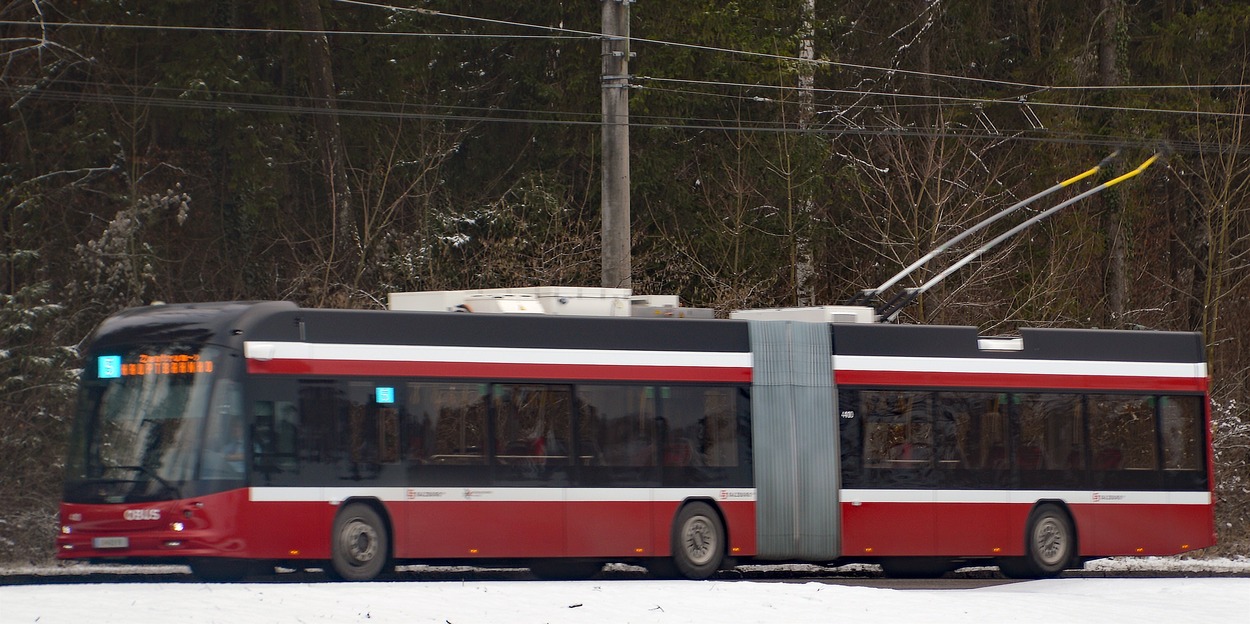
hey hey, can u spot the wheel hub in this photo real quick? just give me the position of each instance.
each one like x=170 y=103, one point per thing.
x=699 y=540
x=360 y=541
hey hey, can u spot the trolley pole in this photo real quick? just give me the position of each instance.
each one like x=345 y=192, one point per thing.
x=615 y=130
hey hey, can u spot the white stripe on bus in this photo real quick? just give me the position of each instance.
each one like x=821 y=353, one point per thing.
x=505 y=355
x=600 y=357
x=1100 y=497
x=337 y=495
x=1017 y=367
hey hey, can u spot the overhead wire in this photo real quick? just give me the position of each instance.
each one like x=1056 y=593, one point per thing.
x=588 y=35
x=289 y=31
x=653 y=123
x=945 y=98
x=781 y=57
x=664 y=121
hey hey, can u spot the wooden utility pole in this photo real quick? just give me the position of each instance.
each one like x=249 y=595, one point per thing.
x=615 y=129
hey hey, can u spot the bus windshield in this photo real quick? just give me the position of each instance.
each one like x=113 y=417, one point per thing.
x=144 y=415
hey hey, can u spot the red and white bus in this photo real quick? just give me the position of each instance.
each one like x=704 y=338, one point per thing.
x=234 y=436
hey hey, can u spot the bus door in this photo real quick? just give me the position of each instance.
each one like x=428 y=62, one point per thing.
x=971 y=473
x=889 y=491
x=617 y=457
x=532 y=462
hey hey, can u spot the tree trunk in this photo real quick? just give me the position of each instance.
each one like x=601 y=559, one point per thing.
x=1108 y=74
x=804 y=271
x=346 y=246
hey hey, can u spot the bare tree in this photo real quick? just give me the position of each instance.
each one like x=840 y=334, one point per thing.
x=346 y=247
x=915 y=193
x=1112 y=33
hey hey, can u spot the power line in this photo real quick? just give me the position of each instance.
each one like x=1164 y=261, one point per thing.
x=946 y=98
x=651 y=123
x=792 y=59
x=287 y=31
x=490 y=114
x=692 y=46
x=573 y=34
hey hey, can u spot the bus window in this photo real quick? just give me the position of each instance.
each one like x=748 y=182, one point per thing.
x=371 y=430
x=1050 y=433
x=701 y=426
x=1182 y=432
x=970 y=431
x=616 y=426
x=898 y=429
x=532 y=425
x=445 y=424
x=1122 y=432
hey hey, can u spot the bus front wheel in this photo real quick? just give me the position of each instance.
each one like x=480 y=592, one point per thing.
x=1050 y=545
x=361 y=544
x=698 y=541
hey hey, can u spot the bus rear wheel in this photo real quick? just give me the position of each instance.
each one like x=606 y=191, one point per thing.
x=361 y=544
x=698 y=541
x=1050 y=545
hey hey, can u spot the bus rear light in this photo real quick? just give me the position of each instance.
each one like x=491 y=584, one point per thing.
x=1184 y=546
x=294 y=552
x=177 y=527
x=736 y=550
x=66 y=529
x=173 y=544
x=67 y=547
x=868 y=550
x=472 y=551
x=1141 y=550
x=997 y=550
x=642 y=550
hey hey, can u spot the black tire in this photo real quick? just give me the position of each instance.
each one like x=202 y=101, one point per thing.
x=565 y=570
x=916 y=567
x=221 y=570
x=1049 y=545
x=360 y=544
x=698 y=541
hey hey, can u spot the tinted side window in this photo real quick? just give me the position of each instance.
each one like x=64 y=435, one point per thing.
x=898 y=430
x=705 y=433
x=532 y=433
x=1122 y=432
x=444 y=433
x=1182 y=421
x=617 y=440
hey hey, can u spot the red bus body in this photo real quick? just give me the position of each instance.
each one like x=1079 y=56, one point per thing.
x=349 y=364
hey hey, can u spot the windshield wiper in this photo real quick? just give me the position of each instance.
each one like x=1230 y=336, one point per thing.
x=155 y=477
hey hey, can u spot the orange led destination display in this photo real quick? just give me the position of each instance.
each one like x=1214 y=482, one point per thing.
x=112 y=366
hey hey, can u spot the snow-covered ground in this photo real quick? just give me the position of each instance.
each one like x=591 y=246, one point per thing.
x=1104 y=600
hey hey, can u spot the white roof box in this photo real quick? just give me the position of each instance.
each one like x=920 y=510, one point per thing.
x=554 y=300
x=814 y=314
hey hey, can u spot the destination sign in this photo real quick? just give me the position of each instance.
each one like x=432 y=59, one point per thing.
x=114 y=366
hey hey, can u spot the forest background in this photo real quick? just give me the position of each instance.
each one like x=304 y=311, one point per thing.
x=328 y=152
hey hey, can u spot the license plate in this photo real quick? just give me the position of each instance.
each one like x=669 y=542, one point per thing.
x=111 y=542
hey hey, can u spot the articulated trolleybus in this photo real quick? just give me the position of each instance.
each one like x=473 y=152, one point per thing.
x=240 y=436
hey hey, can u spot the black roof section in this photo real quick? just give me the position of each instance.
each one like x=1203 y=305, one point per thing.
x=1039 y=344
x=231 y=323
